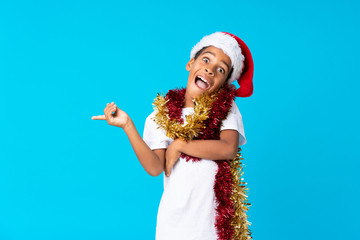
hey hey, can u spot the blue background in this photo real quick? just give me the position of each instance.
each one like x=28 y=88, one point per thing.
x=65 y=176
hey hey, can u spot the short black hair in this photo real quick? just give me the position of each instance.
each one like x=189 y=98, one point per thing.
x=199 y=53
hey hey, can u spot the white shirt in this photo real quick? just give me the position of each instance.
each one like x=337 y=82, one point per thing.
x=187 y=207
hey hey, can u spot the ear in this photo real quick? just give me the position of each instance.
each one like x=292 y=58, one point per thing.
x=189 y=64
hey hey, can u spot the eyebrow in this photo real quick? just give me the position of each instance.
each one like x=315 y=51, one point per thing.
x=221 y=60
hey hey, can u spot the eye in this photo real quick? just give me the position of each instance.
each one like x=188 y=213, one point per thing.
x=221 y=70
x=205 y=59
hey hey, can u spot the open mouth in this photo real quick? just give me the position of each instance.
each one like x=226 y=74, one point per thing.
x=202 y=83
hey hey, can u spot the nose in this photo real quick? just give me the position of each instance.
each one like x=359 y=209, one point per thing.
x=208 y=71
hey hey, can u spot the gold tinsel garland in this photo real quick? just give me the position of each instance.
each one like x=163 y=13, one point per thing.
x=192 y=128
x=195 y=123
x=239 y=198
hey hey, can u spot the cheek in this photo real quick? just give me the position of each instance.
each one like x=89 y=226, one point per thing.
x=217 y=86
x=221 y=82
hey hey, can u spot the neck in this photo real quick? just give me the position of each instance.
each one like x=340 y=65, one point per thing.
x=188 y=101
x=189 y=104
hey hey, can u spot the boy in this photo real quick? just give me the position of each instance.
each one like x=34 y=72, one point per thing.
x=188 y=128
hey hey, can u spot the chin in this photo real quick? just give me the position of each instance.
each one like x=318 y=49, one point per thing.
x=196 y=91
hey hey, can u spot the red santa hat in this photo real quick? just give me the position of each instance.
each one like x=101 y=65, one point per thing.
x=239 y=54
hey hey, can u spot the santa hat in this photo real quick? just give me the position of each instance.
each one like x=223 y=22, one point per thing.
x=239 y=54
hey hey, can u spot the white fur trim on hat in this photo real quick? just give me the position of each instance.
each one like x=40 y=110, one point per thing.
x=230 y=47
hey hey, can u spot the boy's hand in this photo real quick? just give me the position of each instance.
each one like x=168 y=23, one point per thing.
x=172 y=156
x=118 y=119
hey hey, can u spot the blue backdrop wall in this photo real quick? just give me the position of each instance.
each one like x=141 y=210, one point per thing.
x=65 y=176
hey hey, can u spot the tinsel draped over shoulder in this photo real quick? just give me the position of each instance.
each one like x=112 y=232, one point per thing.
x=209 y=111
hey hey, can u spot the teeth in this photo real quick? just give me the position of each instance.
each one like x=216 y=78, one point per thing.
x=202 y=79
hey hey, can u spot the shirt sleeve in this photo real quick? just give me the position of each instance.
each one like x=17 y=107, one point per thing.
x=153 y=136
x=234 y=122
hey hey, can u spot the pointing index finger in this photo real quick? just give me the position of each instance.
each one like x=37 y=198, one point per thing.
x=99 y=117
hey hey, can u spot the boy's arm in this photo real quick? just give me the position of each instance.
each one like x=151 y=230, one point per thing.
x=152 y=161
x=224 y=148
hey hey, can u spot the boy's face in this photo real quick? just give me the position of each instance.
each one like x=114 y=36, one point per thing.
x=208 y=72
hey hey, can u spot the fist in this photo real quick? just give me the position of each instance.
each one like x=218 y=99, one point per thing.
x=114 y=116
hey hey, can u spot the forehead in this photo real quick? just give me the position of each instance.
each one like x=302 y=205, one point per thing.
x=217 y=53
